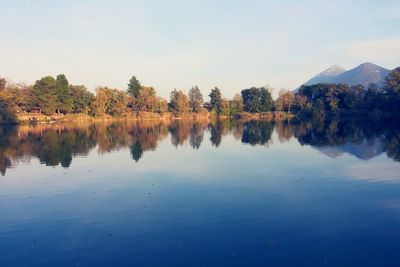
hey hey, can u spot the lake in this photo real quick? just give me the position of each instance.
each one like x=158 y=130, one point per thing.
x=183 y=193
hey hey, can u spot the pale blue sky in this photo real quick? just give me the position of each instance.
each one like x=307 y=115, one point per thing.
x=177 y=44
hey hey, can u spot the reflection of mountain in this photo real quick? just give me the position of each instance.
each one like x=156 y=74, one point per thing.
x=257 y=133
x=364 y=150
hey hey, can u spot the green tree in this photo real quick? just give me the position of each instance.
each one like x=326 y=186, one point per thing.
x=64 y=97
x=161 y=106
x=24 y=98
x=251 y=99
x=45 y=92
x=82 y=99
x=237 y=103
x=216 y=100
x=266 y=101
x=7 y=107
x=109 y=101
x=146 y=100
x=287 y=100
x=195 y=99
x=134 y=87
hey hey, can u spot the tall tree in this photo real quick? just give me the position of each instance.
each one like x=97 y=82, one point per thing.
x=161 y=106
x=82 y=99
x=45 y=92
x=285 y=101
x=7 y=107
x=109 y=101
x=251 y=99
x=216 y=100
x=146 y=100
x=24 y=98
x=195 y=99
x=64 y=97
x=237 y=104
x=179 y=102
x=265 y=100
x=134 y=87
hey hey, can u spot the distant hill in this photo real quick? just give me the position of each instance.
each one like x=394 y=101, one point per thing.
x=364 y=74
x=327 y=75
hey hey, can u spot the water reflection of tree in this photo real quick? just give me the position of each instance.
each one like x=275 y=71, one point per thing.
x=392 y=143
x=220 y=128
x=52 y=146
x=257 y=132
x=180 y=131
x=216 y=131
x=284 y=130
x=5 y=163
x=338 y=132
x=58 y=144
x=111 y=137
x=6 y=134
x=136 y=151
x=145 y=136
x=197 y=134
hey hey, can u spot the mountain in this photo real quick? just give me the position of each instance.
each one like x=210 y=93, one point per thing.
x=327 y=75
x=364 y=74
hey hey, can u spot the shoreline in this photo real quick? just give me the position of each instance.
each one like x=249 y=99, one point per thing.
x=38 y=118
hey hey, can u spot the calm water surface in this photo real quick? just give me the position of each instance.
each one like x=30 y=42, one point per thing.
x=224 y=193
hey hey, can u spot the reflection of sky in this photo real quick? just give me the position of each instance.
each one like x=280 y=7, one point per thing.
x=254 y=201
x=378 y=170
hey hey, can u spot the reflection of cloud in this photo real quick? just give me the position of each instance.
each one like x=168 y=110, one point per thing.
x=375 y=172
x=377 y=50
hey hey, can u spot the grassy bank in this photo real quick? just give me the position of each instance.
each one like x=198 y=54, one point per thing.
x=27 y=118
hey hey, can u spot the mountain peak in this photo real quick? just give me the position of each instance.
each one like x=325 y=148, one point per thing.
x=364 y=74
x=333 y=70
x=327 y=75
x=368 y=64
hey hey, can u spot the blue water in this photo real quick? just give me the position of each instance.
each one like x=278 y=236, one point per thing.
x=199 y=195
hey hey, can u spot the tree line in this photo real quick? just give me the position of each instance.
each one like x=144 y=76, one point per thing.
x=51 y=95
